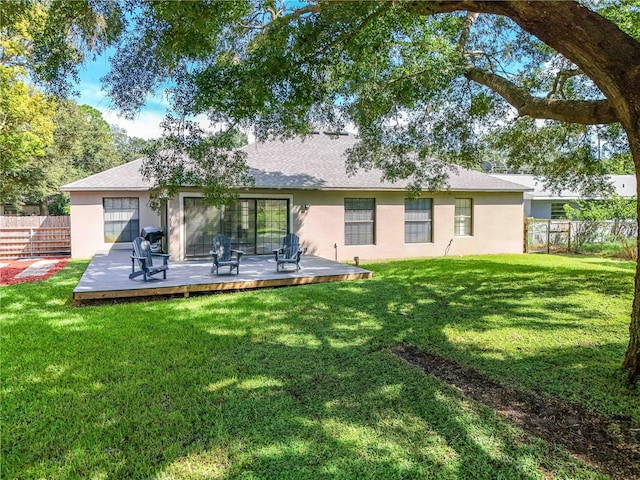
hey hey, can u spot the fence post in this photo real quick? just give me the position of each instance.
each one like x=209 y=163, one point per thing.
x=548 y=236
x=31 y=243
x=569 y=237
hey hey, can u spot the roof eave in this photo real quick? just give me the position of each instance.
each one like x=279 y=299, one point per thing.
x=104 y=189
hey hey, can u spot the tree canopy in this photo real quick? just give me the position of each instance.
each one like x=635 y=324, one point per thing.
x=44 y=142
x=26 y=131
x=425 y=83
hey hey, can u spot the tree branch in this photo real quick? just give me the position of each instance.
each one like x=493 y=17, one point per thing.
x=585 y=112
x=466 y=30
x=314 y=8
x=596 y=45
x=560 y=81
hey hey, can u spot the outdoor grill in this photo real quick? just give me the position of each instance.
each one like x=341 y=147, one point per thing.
x=154 y=236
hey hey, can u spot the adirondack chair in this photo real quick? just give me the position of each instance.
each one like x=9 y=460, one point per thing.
x=143 y=258
x=224 y=256
x=289 y=253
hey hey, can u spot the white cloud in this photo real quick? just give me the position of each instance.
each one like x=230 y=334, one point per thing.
x=145 y=125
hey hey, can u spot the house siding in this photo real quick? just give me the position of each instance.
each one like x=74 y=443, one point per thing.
x=87 y=221
x=497 y=224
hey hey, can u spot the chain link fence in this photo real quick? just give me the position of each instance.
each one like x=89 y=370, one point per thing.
x=582 y=236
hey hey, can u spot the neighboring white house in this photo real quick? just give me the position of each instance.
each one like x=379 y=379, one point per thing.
x=541 y=203
x=301 y=186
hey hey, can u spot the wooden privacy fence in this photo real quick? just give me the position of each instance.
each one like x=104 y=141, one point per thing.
x=33 y=236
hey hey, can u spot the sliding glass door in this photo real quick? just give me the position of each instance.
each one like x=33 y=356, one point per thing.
x=254 y=225
x=272 y=223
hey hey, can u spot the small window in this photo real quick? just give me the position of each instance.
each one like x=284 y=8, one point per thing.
x=359 y=221
x=557 y=211
x=121 y=222
x=417 y=220
x=463 y=217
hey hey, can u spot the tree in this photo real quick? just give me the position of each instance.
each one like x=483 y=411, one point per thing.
x=129 y=148
x=82 y=145
x=426 y=83
x=26 y=114
x=26 y=130
x=82 y=141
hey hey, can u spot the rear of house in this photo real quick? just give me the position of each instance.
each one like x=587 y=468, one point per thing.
x=301 y=186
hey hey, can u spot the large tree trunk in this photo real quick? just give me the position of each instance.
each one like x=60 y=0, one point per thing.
x=632 y=357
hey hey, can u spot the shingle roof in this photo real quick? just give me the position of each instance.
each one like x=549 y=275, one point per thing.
x=124 y=177
x=316 y=162
x=624 y=185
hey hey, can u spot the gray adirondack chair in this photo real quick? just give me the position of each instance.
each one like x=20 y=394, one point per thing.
x=223 y=255
x=143 y=258
x=289 y=253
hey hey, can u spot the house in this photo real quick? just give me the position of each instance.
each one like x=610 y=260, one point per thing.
x=541 y=203
x=301 y=186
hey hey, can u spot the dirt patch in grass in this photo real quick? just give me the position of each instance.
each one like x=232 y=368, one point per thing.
x=612 y=446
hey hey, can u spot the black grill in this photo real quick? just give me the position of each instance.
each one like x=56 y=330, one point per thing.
x=154 y=236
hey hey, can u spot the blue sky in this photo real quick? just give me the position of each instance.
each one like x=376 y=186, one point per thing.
x=147 y=122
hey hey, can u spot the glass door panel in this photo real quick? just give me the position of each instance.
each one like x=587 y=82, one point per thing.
x=202 y=223
x=272 y=223
x=239 y=224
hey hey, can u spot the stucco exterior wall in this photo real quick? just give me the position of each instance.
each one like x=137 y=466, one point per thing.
x=497 y=226
x=87 y=221
x=318 y=218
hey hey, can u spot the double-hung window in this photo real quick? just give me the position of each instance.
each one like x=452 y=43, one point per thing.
x=359 y=221
x=121 y=222
x=417 y=220
x=558 y=212
x=463 y=226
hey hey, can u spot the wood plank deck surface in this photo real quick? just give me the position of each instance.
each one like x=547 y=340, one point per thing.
x=107 y=276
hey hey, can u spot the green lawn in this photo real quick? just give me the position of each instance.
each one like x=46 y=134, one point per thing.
x=301 y=383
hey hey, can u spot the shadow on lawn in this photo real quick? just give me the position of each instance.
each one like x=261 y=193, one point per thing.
x=295 y=382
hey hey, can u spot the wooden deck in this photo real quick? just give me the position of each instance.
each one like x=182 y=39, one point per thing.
x=107 y=276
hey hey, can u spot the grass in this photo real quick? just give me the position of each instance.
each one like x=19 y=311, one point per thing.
x=300 y=382
x=607 y=249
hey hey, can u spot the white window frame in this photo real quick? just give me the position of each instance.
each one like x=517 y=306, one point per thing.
x=408 y=220
x=121 y=213
x=463 y=217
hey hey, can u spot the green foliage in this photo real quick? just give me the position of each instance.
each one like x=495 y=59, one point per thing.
x=43 y=144
x=625 y=13
x=26 y=131
x=620 y=164
x=561 y=154
x=288 y=68
x=83 y=141
x=129 y=148
x=613 y=208
x=301 y=383
x=187 y=155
